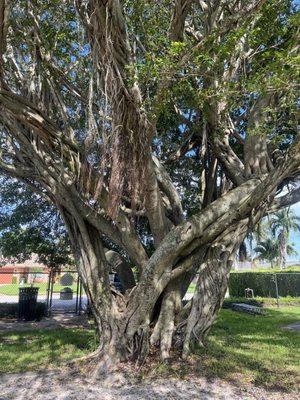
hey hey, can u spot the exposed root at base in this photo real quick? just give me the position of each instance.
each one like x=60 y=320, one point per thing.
x=91 y=357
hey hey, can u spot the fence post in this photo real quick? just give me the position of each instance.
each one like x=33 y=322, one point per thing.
x=80 y=295
x=77 y=294
x=51 y=288
x=276 y=287
x=48 y=290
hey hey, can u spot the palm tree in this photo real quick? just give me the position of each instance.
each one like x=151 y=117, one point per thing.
x=258 y=234
x=282 y=224
x=267 y=250
x=290 y=250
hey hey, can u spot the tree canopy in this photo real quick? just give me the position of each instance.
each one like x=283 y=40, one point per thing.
x=29 y=224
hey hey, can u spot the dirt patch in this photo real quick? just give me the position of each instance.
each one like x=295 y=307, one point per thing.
x=69 y=386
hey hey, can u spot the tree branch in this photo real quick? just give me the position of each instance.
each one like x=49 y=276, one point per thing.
x=289 y=199
x=181 y=9
x=169 y=189
x=4 y=21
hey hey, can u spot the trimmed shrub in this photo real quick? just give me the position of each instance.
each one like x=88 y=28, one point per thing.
x=263 y=284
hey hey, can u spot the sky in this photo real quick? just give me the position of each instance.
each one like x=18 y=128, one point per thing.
x=295 y=237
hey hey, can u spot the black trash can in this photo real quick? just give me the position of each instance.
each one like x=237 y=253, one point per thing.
x=27 y=303
x=66 y=294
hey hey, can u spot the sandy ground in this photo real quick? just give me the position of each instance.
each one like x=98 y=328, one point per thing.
x=54 y=385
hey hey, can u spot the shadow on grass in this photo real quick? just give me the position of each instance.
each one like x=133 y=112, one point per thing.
x=34 y=350
x=253 y=347
x=245 y=349
x=241 y=348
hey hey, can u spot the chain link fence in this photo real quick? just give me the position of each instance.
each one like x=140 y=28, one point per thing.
x=58 y=291
x=265 y=284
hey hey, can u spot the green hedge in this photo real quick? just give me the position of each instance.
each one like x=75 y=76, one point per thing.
x=263 y=284
x=11 y=310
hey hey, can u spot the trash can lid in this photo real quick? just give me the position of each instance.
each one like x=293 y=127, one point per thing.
x=66 y=290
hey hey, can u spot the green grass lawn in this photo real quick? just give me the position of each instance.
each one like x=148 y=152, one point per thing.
x=246 y=349
x=241 y=348
x=265 y=301
x=254 y=348
x=40 y=349
x=13 y=289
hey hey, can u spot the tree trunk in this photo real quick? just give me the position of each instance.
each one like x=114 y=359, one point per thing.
x=206 y=243
x=165 y=324
x=282 y=249
x=108 y=306
x=94 y=272
x=170 y=311
x=125 y=322
x=211 y=286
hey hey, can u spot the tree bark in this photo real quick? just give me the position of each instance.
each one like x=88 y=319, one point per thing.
x=211 y=286
x=94 y=272
x=108 y=306
x=165 y=325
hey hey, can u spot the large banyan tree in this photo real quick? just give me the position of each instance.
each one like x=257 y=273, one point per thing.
x=165 y=129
